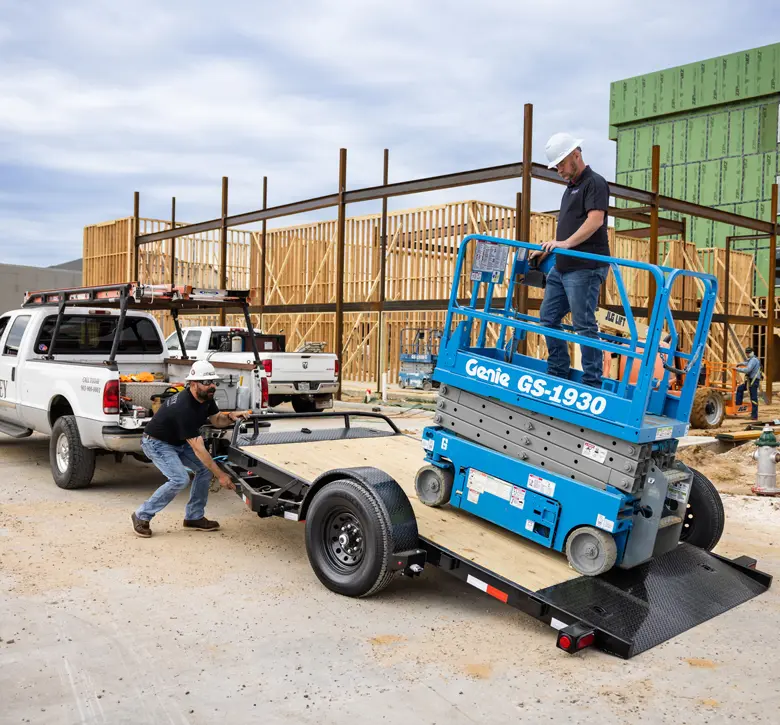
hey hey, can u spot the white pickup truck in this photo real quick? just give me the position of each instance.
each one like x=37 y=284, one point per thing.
x=308 y=380
x=79 y=391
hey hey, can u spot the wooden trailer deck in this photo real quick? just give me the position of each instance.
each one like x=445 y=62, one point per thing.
x=511 y=557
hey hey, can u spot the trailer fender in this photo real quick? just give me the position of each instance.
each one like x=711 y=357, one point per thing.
x=388 y=494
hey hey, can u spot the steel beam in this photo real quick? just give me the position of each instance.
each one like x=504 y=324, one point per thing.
x=223 y=230
x=136 y=223
x=340 y=251
x=173 y=244
x=770 y=303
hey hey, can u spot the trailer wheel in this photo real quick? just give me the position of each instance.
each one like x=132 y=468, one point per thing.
x=704 y=517
x=72 y=465
x=591 y=551
x=433 y=485
x=349 y=539
x=301 y=404
x=708 y=410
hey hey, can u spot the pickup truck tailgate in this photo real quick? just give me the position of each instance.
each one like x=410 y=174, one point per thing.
x=295 y=367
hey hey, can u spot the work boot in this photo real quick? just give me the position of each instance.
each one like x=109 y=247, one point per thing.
x=141 y=527
x=202 y=524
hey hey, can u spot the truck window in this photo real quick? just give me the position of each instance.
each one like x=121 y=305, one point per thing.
x=191 y=339
x=15 y=334
x=172 y=343
x=94 y=335
x=3 y=324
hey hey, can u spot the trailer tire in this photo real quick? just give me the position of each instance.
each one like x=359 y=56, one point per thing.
x=72 y=465
x=591 y=551
x=301 y=404
x=349 y=539
x=708 y=410
x=704 y=517
x=434 y=485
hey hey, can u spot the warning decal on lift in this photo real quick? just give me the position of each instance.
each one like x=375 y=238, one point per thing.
x=664 y=433
x=594 y=452
x=483 y=483
x=518 y=497
x=542 y=485
x=678 y=491
x=473 y=496
x=604 y=523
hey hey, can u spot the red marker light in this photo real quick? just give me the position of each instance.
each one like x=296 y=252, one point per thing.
x=564 y=642
x=586 y=640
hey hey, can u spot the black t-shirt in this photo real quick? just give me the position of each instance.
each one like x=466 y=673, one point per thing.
x=179 y=418
x=589 y=192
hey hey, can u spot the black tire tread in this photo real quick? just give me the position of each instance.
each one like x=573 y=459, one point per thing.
x=698 y=417
x=82 y=460
x=712 y=504
x=385 y=574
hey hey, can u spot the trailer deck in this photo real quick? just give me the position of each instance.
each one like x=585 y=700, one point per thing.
x=401 y=456
x=623 y=612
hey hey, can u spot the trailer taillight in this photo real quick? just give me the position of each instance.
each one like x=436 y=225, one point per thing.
x=575 y=637
x=268 y=366
x=111 y=397
x=264 y=391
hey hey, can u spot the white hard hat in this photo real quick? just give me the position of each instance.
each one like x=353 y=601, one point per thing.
x=559 y=147
x=202 y=370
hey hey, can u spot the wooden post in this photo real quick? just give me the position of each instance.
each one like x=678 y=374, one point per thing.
x=340 y=250
x=769 y=363
x=173 y=241
x=136 y=224
x=223 y=245
x=382 y=277
x=652 y=251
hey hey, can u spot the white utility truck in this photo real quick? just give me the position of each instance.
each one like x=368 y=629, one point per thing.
x=307 y=379
x=87 y=367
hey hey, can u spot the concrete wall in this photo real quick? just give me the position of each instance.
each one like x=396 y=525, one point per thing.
x=16 y=279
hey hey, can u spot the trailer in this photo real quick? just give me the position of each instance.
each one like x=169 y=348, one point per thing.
x=350 y=478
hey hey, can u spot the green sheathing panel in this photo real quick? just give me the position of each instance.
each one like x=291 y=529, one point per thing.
x=725 y=156
x=727 y=79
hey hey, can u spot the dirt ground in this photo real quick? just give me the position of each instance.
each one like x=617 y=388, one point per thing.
x=98 y=626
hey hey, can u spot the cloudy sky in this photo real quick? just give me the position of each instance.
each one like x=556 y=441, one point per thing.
x=99 y=98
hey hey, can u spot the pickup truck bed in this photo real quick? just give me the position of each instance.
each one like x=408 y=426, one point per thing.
x=288 y=461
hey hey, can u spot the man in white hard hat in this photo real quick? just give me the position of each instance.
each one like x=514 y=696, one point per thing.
x=573 y=285
x=172 y=441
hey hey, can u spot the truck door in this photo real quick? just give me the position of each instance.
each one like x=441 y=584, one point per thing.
x=10 y=342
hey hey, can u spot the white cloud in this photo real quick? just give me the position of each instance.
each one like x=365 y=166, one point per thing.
x=98 y=99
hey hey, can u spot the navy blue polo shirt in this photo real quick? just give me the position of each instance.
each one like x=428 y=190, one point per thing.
x=590 y=191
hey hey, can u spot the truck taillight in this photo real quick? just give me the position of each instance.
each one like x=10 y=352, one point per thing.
x=264 y=391
x=268 y=366
x=111 y=397
x=337 y=368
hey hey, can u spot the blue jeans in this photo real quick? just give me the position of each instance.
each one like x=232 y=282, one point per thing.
x=753 y=397
x=173 y=462
x=576 y=292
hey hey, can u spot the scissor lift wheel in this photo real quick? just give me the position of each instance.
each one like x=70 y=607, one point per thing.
x=433 y=485
x=708 y=409
x=591 y=551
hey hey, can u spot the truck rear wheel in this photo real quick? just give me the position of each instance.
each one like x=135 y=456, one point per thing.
x=303 y=404
x=72 y=465
x=349 y=539
x=704 y=517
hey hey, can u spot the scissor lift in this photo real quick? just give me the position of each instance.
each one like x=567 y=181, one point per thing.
x=523 y=460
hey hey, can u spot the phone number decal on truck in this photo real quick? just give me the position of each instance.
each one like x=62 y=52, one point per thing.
x=538 y=388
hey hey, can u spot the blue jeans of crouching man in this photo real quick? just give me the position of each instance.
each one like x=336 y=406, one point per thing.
x=577 y=292
x=173 y=462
